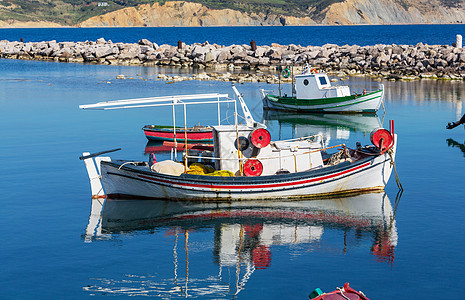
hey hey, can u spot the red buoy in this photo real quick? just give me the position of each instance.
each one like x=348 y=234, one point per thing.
x=253 y=167
x=260 y=137
x=381 y=134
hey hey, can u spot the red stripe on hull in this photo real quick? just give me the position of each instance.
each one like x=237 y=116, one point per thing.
x=194 y=136
x=211 y=186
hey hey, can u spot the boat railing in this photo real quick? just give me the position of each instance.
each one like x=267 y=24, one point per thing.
x=243 y=159
x=305 y=138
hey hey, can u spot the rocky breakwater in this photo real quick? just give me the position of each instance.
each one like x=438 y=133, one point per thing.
x=405 y=62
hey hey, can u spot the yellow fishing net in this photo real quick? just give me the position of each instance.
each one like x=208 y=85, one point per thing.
x=199 y=169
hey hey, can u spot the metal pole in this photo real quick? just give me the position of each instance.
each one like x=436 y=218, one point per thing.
x=219 y=119
x=292 y=81
x=239 y=154
x=185 y=138
x=174 y=132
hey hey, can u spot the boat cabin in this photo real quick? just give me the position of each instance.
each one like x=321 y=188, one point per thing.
x=256 y=155
x=313 y=85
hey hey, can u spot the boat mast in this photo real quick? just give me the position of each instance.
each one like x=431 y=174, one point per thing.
x=248 y=116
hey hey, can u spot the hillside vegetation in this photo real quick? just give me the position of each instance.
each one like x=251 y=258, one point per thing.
x=70 y=12
x=64 y=12
x=73 y=12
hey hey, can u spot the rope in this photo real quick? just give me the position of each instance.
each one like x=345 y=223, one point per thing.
x=393 y=163
x=337 y=157
x=129 y=162
x=342 y=293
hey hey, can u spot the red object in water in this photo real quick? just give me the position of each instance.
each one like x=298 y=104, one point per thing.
x=253 y=167
x=181 y=146
x=261 y=257
x=342 y=293
x=260 y=138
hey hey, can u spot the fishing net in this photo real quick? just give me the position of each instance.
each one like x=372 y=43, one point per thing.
x=339 y=157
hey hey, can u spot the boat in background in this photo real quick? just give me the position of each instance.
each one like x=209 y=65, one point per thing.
x=157 y=147
x=314 y=93
x=345 y=292
x=195 y=134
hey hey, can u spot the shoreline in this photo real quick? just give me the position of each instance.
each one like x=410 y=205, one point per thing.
x=392 y=62
x=220 y=26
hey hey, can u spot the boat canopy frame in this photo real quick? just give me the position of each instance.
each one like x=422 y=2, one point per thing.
x=180 y=100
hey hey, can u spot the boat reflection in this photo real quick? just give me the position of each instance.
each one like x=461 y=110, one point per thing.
x=454 y=144
x=156 y=147
x=337 y=126
x=244 y=233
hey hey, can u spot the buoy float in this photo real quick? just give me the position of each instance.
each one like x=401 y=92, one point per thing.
x=260 y=137
x=381 y=134
x=253 y=167
x=286 y=73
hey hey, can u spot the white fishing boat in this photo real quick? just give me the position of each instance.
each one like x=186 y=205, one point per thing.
x=314 y=93
x=245 y=163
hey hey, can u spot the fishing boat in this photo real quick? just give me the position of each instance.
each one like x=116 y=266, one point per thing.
x=195 y=134
x=345 y=292
x=244 y=164
x=314 y=93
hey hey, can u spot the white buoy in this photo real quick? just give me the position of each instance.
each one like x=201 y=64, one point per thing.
x=458 y=41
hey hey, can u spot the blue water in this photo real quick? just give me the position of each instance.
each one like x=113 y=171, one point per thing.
x=58 y=244
x=306 y=35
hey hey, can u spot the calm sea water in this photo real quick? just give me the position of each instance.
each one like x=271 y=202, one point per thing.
x=57 y=243
x=307 y=35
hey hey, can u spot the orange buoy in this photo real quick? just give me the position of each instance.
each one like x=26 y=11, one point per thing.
x=253 y=167
x=381 y=134
x=260 y=137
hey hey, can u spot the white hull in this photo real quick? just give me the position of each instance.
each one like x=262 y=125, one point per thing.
x=365 y=175
x=369 y=103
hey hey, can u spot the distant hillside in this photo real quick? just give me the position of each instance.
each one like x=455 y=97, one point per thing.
x=70 y=12
x=16 y=13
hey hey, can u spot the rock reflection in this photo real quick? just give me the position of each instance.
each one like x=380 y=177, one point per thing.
x=244 y=235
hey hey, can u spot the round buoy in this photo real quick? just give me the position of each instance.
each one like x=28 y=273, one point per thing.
x=286 y=73
x=243 y=143
x=381 y=134
x=260 y=138
x=253 y=167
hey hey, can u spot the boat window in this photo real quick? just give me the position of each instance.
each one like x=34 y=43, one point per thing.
x=322 y=80
x=306 y=82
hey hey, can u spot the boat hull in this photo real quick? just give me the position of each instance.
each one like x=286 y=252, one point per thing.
x=368 y=103
x=167 y=134
x=368 y=174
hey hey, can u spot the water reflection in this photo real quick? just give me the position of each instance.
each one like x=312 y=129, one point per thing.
x=454 y=144
x=244 y=235
x=337 y=126
x=426 y=91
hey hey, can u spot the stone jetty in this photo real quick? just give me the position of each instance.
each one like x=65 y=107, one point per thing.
x=395 y=62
